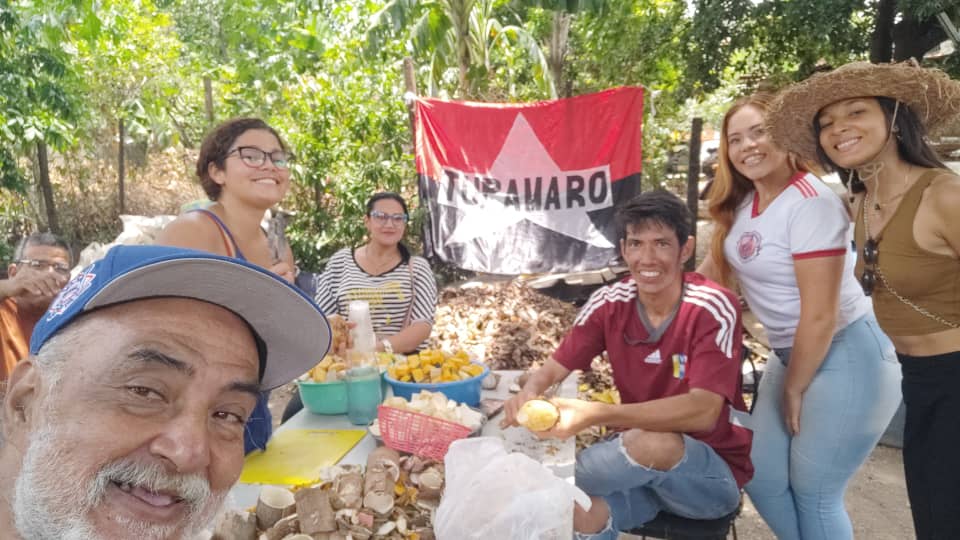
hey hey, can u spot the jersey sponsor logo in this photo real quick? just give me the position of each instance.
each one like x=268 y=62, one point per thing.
x=748 y=246
x=679 y=365
x=717 y=304
x=653 y=358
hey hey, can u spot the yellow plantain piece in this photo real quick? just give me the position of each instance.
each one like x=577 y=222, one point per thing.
x=434 y=366
x=330 y=369
x=538 y=415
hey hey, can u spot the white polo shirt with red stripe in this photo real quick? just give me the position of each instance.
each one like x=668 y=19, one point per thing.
x=806 y=220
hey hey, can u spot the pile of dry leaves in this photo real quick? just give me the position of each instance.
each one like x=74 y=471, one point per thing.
x=508 y=324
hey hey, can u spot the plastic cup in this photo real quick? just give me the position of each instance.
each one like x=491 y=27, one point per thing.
x=364 y=394
x=364 y=340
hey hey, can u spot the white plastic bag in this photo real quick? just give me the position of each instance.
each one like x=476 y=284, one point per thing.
x=492 y=494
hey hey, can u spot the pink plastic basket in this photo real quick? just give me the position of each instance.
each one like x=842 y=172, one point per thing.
x=417 y=433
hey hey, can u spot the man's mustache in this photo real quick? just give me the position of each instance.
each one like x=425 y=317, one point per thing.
x=191 y=489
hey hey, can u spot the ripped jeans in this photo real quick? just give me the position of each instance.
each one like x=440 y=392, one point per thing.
x=700 y=486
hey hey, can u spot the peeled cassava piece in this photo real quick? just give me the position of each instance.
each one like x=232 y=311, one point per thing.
x=538 y=415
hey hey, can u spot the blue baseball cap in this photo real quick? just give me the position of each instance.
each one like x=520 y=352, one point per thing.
x=291 y=332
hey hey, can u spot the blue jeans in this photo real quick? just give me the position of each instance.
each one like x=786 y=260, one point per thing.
x=700 y=486
x=799 y=482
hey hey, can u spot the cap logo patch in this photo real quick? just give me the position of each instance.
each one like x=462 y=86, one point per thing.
x=71 y=292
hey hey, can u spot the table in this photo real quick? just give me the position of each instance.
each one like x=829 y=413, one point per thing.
x=559 y=456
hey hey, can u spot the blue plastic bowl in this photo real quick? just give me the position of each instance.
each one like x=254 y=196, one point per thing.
x=465 y=391
x=328 y=397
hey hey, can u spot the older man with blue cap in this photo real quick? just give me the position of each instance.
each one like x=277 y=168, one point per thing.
x=127 y=419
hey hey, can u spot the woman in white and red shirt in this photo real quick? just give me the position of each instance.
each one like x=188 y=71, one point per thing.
x=832 y=383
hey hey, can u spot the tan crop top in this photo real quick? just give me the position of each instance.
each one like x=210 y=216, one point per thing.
x=929 y=280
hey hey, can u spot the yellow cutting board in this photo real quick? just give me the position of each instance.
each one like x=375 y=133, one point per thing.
x=296 y=456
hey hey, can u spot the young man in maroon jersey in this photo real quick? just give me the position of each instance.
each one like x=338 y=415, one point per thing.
x=674 y=343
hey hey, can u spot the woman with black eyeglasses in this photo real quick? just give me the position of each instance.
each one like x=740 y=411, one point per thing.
x=399 y=286
x=869 y=123
x=244 y=169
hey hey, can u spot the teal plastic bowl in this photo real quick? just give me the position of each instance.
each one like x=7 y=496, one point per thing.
x=329 y=397
x=466 y=391
x=324 y=397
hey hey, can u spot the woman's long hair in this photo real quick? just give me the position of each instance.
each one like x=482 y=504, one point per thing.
x=729 y=188
x=912 y=145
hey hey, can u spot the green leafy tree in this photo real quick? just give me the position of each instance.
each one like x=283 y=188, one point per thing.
x=640 y=42
x=460 y=35
x=40 y=96
x=300 y=67
x=776 y=40
x=132 y=49
x=351 y=128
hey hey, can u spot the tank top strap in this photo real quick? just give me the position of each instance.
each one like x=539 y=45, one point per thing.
x=233 y=250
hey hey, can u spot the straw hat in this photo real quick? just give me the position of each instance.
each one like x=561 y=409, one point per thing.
x=930 y=93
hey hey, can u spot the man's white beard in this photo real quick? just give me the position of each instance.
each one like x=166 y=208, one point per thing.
x=53 y=502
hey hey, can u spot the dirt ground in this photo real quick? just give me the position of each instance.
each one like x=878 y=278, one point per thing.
x=876 y=501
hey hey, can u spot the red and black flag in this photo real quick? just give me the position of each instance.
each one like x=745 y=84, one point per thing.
x=528 y=188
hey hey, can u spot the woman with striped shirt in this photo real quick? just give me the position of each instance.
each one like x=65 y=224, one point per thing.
x=399 y=286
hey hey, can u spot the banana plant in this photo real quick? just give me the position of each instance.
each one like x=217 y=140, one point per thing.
x=458 y=40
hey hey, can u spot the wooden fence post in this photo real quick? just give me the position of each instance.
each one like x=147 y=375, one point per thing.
x=410 y=85
x=121 y=167
x=693 y=181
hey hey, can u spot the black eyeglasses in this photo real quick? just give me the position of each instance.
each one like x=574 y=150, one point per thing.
x=37 y=264
x=383 y=217
x=871 y=254
x=255 y=157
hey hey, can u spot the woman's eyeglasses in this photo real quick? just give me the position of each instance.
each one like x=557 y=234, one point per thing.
x=871 y=254
x=383 y=217
x=255 y=157
x=36 y=264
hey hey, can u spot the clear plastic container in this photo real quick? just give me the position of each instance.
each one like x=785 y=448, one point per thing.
x=363 y=352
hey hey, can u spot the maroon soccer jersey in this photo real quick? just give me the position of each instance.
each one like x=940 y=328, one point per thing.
x=700 y=349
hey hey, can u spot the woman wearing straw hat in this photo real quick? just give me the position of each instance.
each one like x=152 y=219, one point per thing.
x=868 y=122
x=832 y=383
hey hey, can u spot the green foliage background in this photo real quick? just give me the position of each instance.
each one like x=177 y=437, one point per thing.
x=328 y=75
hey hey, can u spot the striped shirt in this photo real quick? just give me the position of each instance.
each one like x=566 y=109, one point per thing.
x=388 y=294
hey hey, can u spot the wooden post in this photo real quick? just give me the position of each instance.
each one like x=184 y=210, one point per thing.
x=208 y=99
x=693 y=181
x=121 y=166
x=410 y=85
x=46 y=189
